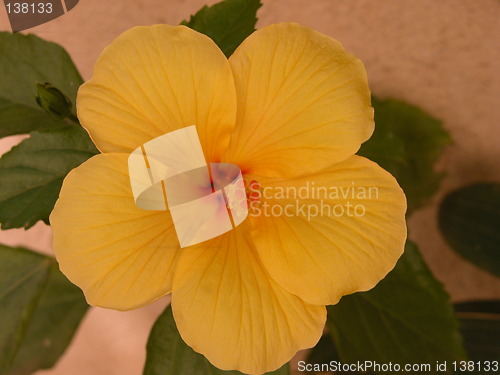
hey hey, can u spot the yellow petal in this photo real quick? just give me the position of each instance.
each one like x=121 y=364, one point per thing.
x=333 y=233
x=120 y=255
x=303 y=102
x=153 y=80
x=227 y=308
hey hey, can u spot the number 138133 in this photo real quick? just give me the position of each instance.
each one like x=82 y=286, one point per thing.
x=29 y=8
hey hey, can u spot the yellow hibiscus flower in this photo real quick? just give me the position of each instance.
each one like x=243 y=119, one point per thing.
x=290 y=108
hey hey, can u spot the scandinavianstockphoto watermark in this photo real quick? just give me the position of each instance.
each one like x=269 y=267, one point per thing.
x=309 y=200
x=206 y=200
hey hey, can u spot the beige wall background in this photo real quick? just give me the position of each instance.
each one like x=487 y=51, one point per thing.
x=440 y=55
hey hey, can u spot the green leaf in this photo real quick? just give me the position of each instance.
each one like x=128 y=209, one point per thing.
x=31 y=174
x=57 y=316
x=25 y=60
x=480 y=326
x=407 y=142
x=406 y=318
x=40 y=311
x=23 y=275
x=167 y=354
x=324 y=351
x=469 y=219
x=228 y=23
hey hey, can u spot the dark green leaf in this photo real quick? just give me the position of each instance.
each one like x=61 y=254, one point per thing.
x=167 y=354
x=407 y=142
x=53 y=101
x=469 y=219
x=39 y=311
x=228 y=23
x=23 y=275
x=57 y=316
x=25 y=60
x=31 y=174
x=324 y=351
x=480 y=326
x=406 y=318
